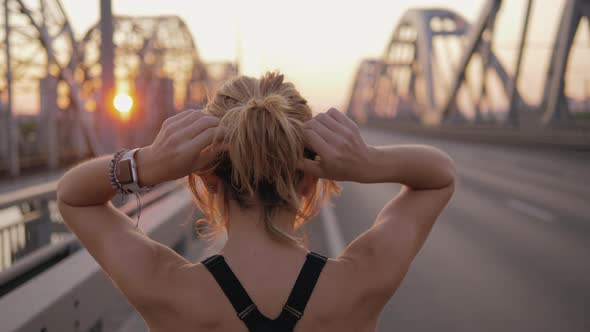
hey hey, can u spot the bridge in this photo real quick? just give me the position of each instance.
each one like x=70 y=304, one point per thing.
x=421 y=80
x=509 y=253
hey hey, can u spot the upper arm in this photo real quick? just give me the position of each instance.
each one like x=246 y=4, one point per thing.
x=383 y=254
x=135 y=263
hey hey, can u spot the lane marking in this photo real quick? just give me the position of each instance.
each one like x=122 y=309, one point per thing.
x=530 y=210
x=334 y=236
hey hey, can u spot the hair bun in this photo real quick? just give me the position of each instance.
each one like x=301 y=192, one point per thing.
x=274 y=103
x=264 y=121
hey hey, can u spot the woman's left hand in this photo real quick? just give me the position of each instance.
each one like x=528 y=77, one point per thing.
x=187 y=142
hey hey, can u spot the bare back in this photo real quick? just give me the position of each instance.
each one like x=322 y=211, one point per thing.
x=198 y=303
x=350 y=292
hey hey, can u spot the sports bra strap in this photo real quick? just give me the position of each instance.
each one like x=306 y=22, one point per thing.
x=247 y=310
x=229 y=283
x=306 y=281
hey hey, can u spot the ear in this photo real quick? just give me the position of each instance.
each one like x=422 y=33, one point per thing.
x=211 y=181
x=308 y=184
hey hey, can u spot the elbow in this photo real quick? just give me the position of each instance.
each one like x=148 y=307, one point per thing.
x=61 y=190
x=64 y=196
x=450 y=171
x=62 y=207
x=444 y=167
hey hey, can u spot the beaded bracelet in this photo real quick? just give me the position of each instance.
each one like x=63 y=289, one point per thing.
x=113 y=171
x=117 y=185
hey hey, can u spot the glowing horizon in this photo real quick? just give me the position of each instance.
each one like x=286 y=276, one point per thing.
x=318 y=45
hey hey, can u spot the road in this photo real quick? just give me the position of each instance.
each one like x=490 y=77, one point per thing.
x=510 y=253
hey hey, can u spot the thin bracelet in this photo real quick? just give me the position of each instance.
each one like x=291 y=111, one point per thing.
x=113 y=171
x=138 y=200
x=117 y=185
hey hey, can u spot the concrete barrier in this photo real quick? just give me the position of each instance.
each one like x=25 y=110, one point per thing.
x=75 y=294
x=571 y=139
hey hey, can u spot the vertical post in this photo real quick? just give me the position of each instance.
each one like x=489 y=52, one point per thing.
x=106 y=122
x=487 y=40
x=48 y=117
x=553 y=100
x=11 y=129
x=38 y=231
x=513 y=109
x=473 y=40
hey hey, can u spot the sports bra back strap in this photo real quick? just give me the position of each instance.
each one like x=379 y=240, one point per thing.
x=304 y=285
x=230 y=285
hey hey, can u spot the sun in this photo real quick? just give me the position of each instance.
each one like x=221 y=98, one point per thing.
x=123 y=103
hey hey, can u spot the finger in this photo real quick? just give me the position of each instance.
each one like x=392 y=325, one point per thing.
x=219 y=135
x=198 y=144
x=196 y=127
x=207 y=157
x=205 y=160
x=311 y=167
x=342 y=118
x=217 y=145
x=331 y=123
x=180 y=116
x=324 y=132
x=317 y=144
x=181 y=123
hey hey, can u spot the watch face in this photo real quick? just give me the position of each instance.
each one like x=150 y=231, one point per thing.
x=124 y=172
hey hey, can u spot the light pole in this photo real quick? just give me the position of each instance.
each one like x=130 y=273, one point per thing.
x=106 y=122
x=11 y=126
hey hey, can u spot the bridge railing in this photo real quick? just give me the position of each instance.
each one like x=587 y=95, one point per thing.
x=37 y=237
x=74 y=294
x=30 y=228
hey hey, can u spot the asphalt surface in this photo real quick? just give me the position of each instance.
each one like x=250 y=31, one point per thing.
x=510 y=253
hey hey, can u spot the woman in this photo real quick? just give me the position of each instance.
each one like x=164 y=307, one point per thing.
x=250 y=157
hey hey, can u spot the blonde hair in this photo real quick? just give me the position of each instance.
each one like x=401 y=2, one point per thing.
x=264 y=120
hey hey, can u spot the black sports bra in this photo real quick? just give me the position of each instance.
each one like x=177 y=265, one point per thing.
x=247 y=310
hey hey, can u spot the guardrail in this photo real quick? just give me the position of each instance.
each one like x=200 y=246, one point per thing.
x=571 y=139
x=34 y=231
x=75 y=294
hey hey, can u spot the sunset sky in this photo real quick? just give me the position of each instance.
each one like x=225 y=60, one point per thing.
x=316 y=44
x=319 y=44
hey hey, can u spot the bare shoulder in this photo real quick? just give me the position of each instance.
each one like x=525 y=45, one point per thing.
x=339 y=297
x=379 y=259
x=192 y=299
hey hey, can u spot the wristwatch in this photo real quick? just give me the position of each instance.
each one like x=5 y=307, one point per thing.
x=127 y=174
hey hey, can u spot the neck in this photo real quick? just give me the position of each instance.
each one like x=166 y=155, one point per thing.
x=247 y=235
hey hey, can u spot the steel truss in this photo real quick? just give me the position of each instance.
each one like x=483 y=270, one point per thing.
x=61 y=77
x=415 y=78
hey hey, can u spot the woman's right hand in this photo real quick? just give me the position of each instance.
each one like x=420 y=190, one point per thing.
x=344 y=155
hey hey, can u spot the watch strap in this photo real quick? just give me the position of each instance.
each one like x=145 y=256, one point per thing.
x=133 y=187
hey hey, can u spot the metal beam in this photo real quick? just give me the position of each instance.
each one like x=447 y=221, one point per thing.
x=554 y=95
x=513 y=109
x=11 y=126
x=485 y=50
x=473 y=40
x=48 y=116
x=105 y=121
x=47 y=41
